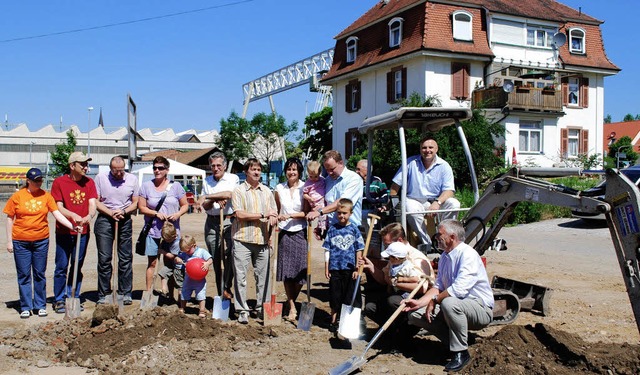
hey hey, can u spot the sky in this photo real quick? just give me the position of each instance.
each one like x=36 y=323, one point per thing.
x=184 y=62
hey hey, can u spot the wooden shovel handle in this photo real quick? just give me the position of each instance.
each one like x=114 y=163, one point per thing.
x=374 y=219
x=309 y=234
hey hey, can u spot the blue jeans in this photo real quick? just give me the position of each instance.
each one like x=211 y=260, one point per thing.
x=104 y=228
x=65 y=260
x=31 y=258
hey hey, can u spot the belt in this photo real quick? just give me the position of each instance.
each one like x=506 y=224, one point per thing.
x=217 y=217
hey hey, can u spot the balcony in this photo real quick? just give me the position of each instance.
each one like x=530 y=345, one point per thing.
x=520 y=99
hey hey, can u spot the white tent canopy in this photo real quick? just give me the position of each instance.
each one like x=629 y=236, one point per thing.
x=175 y=169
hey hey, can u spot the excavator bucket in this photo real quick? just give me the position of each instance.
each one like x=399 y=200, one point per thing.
x=531 y=297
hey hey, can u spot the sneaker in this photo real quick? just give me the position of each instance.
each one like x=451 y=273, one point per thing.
x=243 y=317
x=102 y=300
x=42 y=313
x=25 y=314
x=59 y=307
x=126 y=300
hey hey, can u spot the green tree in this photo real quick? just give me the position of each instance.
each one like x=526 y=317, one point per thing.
x=625 y=147
x=607 y=119
x=263 y=137
x=236 y=137
x=60 y=156
x=628 y=117
x=318 y=133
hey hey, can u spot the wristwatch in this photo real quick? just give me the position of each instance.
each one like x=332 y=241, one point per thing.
x=320 y=211
x=438 y=202
x=394 y=281
x=435 y=299
x=262 y=215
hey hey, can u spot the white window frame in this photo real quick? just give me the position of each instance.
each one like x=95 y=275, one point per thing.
x=573 y=142
x=397 y=84
x=573 y=87
x=395 y=32
x=530 y=136
x=579 y=38
x=462 y=29
x=352 y=49
x=539 y=36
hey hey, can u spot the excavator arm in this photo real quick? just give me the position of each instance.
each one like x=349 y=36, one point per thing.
x=620 y=206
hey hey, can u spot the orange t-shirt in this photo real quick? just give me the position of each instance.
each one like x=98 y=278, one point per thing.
x=29 y=213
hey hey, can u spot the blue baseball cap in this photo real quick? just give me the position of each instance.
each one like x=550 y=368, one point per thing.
x=34 y=174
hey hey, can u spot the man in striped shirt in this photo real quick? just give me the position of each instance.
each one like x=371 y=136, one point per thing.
x=256 y=215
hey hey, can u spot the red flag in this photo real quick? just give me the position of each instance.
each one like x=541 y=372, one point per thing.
x=514 y=160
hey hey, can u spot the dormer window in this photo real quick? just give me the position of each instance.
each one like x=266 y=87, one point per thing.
x=395 y=32
x=462 y=25
x=576 y=41
x=352 y=49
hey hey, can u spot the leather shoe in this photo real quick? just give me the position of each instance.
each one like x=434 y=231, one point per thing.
x=460 y=359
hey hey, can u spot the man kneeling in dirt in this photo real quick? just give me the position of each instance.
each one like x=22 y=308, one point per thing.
x=461 y=289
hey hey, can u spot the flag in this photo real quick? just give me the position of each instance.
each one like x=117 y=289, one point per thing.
x=100 y=122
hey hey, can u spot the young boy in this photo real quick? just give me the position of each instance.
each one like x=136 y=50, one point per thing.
x=189 y=250
x=342 y=249
x=171 y=274
x=399 y=265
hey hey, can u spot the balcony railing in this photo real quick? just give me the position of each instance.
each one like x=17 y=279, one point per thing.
x=521 y=98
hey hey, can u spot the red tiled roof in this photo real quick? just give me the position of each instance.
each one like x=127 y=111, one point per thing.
x=621 y=129
x=183 y=157
x=427 y=26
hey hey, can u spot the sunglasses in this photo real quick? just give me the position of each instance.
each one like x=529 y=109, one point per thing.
x=159 y=168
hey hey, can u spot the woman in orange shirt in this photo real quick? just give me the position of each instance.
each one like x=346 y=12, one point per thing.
x=28 y=240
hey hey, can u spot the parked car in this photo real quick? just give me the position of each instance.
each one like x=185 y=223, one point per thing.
x=632 y=173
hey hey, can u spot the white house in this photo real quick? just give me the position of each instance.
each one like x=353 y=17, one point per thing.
x=538 y=66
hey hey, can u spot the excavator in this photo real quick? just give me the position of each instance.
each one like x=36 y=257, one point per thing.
x=617 y=200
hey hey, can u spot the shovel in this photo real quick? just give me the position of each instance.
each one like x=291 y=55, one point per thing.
x=272 y=310
x=149 y=300
x=116 y=299
x=349 y=327
x=357 y=361
x=221 y=305
x=308 y=308
x=72 y=304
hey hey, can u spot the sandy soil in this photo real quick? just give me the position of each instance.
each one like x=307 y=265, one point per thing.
x=590 y=328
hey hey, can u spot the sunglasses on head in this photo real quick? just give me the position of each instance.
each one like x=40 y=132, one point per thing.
x=159 y=168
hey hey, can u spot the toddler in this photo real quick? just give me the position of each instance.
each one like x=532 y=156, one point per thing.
x=171 y=275
x=188 y=251
x=399 y=265
x=313 y=191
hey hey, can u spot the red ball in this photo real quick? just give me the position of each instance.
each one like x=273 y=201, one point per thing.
x=194 y=269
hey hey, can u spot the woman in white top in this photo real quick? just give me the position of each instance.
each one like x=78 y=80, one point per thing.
x=292 y=251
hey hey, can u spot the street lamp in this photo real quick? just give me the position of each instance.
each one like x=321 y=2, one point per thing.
x=621 y=154
x=89 y=133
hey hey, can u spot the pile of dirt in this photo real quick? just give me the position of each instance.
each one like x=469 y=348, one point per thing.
x=541 y=349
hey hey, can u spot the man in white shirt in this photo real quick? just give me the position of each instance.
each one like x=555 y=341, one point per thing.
x=430 y=187
x=463 y=292
x=216 y=196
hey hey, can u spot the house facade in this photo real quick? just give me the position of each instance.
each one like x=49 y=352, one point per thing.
x=537 y=67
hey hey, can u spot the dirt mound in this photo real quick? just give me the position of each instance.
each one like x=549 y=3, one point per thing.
x=541 y=349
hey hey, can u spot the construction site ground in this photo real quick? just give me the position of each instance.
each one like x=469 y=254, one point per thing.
x=590 y=329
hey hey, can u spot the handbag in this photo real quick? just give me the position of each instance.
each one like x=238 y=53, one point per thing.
x=141 y=242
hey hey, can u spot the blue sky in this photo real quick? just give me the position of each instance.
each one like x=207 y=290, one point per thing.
x=186 y=71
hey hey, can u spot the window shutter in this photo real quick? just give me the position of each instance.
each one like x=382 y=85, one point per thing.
x=465 y=80
x=390 y=86
x=584 y=92
x=347 y=95
x=584 y=141
x=564 y=142
x=456 y=80
x=565 y=91
x=358 y=92
x=347 y=144
x=404 y=83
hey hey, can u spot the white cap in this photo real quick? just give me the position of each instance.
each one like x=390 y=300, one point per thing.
x=395 y=249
